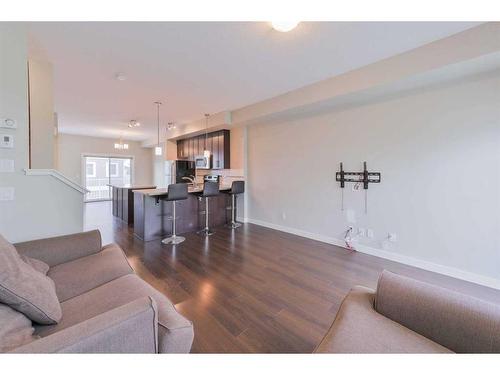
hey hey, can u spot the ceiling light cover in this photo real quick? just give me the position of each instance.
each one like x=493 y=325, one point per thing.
x=120 y=76
x=284 y=26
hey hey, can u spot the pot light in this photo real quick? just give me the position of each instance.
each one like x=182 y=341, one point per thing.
x=120 y=76
x=284 y=26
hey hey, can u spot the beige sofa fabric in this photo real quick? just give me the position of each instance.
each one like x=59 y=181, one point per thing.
x=175 y=332
x=358 y=328
x=62 y=249
x=461 y=323
x=15 y=329
x=25 y=289
x=129 y=328
x=83 y=274
x=38 y=265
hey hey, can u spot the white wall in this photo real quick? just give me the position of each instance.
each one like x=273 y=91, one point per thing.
x=72 y=147
x=42 y=205
x=439 y=154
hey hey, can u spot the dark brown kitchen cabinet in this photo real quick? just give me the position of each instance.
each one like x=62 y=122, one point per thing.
x=218 y=143
x=179 y=148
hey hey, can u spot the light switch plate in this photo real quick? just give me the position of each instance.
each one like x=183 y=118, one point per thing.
x=8 y=123
x=6 y=193
x=6 y=141
x=6 y=165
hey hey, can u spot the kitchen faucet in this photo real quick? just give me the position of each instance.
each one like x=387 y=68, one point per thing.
x=191 y=179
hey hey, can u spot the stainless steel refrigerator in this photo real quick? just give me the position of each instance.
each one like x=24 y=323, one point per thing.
x=176 y=169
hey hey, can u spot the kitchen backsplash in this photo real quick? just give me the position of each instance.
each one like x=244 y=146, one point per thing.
x=228 y=175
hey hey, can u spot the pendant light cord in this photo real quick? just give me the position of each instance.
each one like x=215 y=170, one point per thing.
x=206 y=130
x=158 y=120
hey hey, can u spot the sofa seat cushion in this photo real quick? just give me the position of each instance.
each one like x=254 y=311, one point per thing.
x=25 y=289
x=175 y=333
x=15 y=329
x=83 y=274
x=358 y=328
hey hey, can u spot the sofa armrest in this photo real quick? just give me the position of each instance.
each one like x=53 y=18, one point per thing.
x=62 y=249
x=131 y=328
x=358 y=328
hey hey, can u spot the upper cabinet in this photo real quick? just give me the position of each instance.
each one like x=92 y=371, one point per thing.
x=217 y=142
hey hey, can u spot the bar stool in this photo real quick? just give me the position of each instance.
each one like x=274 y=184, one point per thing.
x=210 y=189
x=237 y=187
x=176 y=192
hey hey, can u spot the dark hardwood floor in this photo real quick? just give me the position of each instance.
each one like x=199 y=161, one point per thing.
x=256 y=289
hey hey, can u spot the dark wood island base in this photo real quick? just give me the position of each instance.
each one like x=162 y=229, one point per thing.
x=153 y=218
x=123 y=201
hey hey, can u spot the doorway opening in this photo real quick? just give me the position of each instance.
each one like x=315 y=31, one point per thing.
x=102 y=171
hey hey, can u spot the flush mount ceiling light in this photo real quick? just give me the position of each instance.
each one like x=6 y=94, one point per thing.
x=284 y=26
x=134 y=124
x=120 y=76
x=158 y=149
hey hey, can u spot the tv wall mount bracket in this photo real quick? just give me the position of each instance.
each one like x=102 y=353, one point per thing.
x=364 y=177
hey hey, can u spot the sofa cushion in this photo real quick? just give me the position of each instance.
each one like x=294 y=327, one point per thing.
x=459 y=322
x=25 y=289
x=15 y=329
x=358 y=328
x=175 y=333
x=38 y=265
x=83 y=274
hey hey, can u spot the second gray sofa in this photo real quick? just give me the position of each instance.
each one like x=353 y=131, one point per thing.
x=409 y=316
x=106 y=308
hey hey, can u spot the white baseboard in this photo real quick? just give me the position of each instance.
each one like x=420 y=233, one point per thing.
x=418 y=263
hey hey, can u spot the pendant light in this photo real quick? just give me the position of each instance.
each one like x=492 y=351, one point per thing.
x=158 y=148
x=206 y=151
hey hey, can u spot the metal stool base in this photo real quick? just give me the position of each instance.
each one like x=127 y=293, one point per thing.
x=205 y=232
x=233 y=225
x=174 y=240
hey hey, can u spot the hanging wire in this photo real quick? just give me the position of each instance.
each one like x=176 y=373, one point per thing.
x=158 y=120
x=206 y=129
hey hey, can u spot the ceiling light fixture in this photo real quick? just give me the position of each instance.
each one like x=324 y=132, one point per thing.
x=120 y=76
x=134 y=124
x=120 y=145
x=284 y=26
x=158 y=149
x=206 y=151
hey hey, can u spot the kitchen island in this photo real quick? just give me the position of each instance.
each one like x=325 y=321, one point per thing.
x=153 y=217
x=123 y=200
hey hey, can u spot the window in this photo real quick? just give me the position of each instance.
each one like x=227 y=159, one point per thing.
x=113 y=169
x=91 y=169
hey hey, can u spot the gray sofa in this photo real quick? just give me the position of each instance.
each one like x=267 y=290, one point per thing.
x=408 y=316
x=106 y=308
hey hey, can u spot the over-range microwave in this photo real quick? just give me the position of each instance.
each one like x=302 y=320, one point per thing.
x=202 y=162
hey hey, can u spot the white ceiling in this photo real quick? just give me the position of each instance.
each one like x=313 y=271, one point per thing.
x=199 y=67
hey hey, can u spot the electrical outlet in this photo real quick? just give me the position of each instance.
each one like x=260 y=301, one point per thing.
x=392 y=237
x=6 y=165
x=283 y=215
x=6 y=193
x=370 y=233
